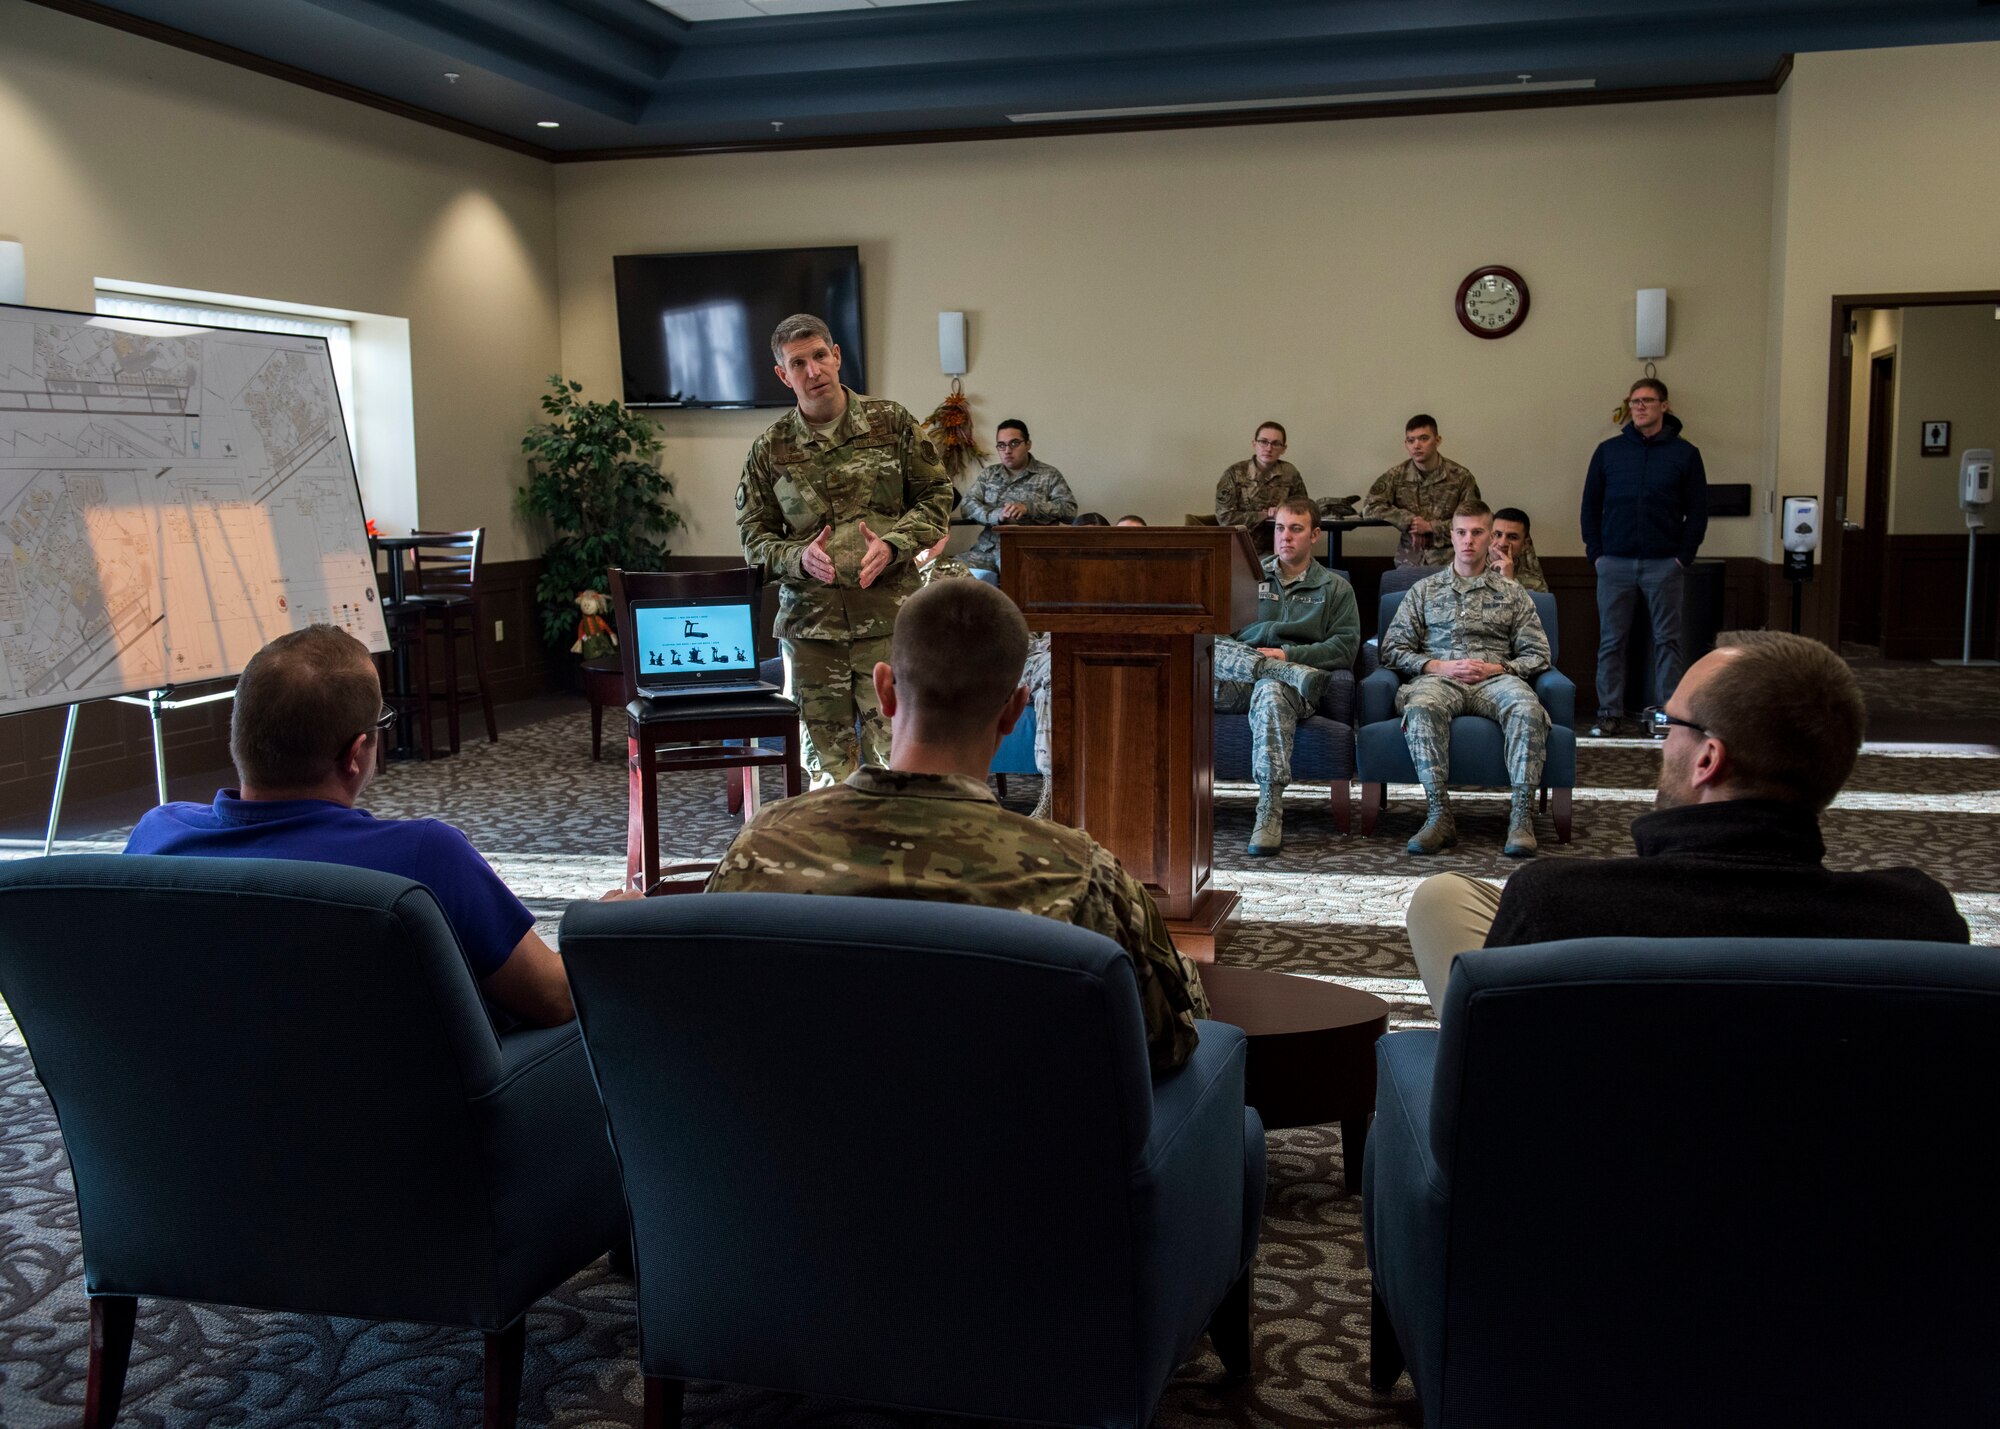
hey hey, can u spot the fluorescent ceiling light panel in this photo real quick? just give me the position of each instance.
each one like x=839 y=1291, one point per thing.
x=697 y=11
x=1305 y=101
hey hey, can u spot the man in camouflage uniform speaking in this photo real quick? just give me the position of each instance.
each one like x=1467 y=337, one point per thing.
x=1470 y=640
x=1276 y=666
x=1417 y=496
x=836 y=500
x=1250 y=491
x=928 y=827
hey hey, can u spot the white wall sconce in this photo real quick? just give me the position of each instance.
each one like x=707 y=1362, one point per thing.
x=13 y=272
x=951 y=344
x=1652 y=327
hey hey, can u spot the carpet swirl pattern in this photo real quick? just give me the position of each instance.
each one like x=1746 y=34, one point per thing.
x=553 y=823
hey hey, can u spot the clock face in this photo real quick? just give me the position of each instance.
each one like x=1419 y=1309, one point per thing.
x=1492 y=302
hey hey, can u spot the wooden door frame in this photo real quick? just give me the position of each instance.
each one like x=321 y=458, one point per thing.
x=1824 y=624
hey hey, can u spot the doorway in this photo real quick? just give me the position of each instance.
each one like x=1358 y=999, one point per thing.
x=1902 y=368
x=1861 y=539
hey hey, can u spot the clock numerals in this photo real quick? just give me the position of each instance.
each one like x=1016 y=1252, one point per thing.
x=1492 y=302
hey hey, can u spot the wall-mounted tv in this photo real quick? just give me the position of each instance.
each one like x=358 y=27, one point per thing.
x=694 y=329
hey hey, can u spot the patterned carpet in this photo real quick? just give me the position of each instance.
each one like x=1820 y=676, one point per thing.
x=554 y=824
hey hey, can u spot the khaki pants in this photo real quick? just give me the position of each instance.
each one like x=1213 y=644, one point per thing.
x=1449 y=914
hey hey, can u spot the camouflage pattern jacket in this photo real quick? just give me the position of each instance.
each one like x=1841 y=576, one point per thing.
x=1450 y=617
x=1403 y=492
x=1313 y=619
x=876 y=466
x=1528 y=569
x=1037 y=486
x=886 y=834
x=1245 y=493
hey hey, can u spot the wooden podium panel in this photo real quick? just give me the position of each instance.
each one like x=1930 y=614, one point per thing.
x=1132 y=613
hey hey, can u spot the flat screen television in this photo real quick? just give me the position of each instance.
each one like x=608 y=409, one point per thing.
x=694 y=329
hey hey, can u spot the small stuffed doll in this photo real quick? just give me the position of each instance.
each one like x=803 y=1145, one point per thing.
x=594 y=636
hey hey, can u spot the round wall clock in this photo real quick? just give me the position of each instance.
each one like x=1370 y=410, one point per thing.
x=1492 y=302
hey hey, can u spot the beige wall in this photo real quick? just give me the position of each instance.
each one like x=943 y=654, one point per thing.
x=1888 y=157
x=1947 y=369
x=121 y=158
x=1144 y=300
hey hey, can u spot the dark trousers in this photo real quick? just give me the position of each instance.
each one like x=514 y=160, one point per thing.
x=1621 y=580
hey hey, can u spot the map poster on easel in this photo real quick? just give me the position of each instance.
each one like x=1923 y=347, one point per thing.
x=171 y=498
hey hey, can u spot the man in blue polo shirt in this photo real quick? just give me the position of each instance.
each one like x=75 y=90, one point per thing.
x=303 y=739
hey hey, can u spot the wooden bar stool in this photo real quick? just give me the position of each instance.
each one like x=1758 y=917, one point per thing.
x=447 y=599
x=678 y=736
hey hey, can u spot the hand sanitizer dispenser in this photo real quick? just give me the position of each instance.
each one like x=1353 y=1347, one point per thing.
x=1975 y=494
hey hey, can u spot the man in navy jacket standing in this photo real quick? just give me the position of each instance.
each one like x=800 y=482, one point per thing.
x=1645 y=510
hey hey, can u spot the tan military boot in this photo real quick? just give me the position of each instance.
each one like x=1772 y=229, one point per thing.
x=1440 y=830
x=1308 y=680
x=1521 y=825
x=1268 y=836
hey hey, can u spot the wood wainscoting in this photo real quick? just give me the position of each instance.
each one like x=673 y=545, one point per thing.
x=1923 y=597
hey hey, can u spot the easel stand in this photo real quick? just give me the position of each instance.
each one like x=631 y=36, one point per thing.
x=155 y=703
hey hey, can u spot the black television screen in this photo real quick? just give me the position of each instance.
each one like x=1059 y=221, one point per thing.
x=694 y=329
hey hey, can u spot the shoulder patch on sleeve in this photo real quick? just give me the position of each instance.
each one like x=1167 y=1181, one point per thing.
x=742 y=494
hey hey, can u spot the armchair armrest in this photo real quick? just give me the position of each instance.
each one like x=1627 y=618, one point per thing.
x=1337 y=703
x=1194 y=1160
x=1369 y=660
x=1558 y=695
x=1376 y=698
x=1406 y=1204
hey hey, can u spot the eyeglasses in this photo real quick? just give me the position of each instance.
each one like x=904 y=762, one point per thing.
x=386 y=718
x=1642 y=401
x=1270 y=442
x=1010 y=445
x=1663 y=722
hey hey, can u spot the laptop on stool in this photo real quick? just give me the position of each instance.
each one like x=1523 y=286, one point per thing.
x=697 y=646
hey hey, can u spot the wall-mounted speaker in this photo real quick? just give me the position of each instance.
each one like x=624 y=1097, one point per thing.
x=951 y=343
x=1652 y=322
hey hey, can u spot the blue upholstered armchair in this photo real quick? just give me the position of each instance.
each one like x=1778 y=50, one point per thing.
x=1478 y=757
x=1657 y=1184
x=909 y=1153
x=278 y=1087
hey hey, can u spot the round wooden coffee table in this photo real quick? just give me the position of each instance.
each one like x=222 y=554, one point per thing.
x=1311 y=1050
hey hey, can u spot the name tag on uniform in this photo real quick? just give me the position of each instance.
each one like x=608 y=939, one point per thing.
x=1264 y=590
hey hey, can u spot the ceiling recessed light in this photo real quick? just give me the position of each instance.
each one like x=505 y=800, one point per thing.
x=547 y=124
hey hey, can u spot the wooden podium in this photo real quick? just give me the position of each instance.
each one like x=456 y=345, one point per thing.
x=1132 y=614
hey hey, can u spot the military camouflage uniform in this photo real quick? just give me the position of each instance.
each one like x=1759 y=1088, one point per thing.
x=1403 y=492
x=1244 y=494
x=875 y=465
x=1528 y=570
x=1448 y=617
x=1034 y=674
x=887 y=834
x=1037 y=486
x=1313 y=620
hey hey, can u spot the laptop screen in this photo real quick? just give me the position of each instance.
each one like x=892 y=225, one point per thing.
x=693 y=642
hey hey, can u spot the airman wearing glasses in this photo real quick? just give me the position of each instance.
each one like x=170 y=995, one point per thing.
x=1419 y=494
x=1252 y=490
x=1760 y=735
x=1645 y=510
x=1019 y=488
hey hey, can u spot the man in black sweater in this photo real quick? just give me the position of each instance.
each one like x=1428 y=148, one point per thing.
x=1759 y=737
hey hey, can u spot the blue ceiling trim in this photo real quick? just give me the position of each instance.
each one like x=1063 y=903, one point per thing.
x=625 y=75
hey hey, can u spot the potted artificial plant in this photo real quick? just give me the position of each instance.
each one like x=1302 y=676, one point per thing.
x=594 y=481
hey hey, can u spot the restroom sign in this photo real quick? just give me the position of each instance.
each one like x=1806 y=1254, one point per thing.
x=1937 y=438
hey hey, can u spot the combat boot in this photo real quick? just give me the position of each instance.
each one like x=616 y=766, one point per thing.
x=1440 y=830
x=1521 y=825
x=1309 y=681
x=1269 y=834
x=1045 y=802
